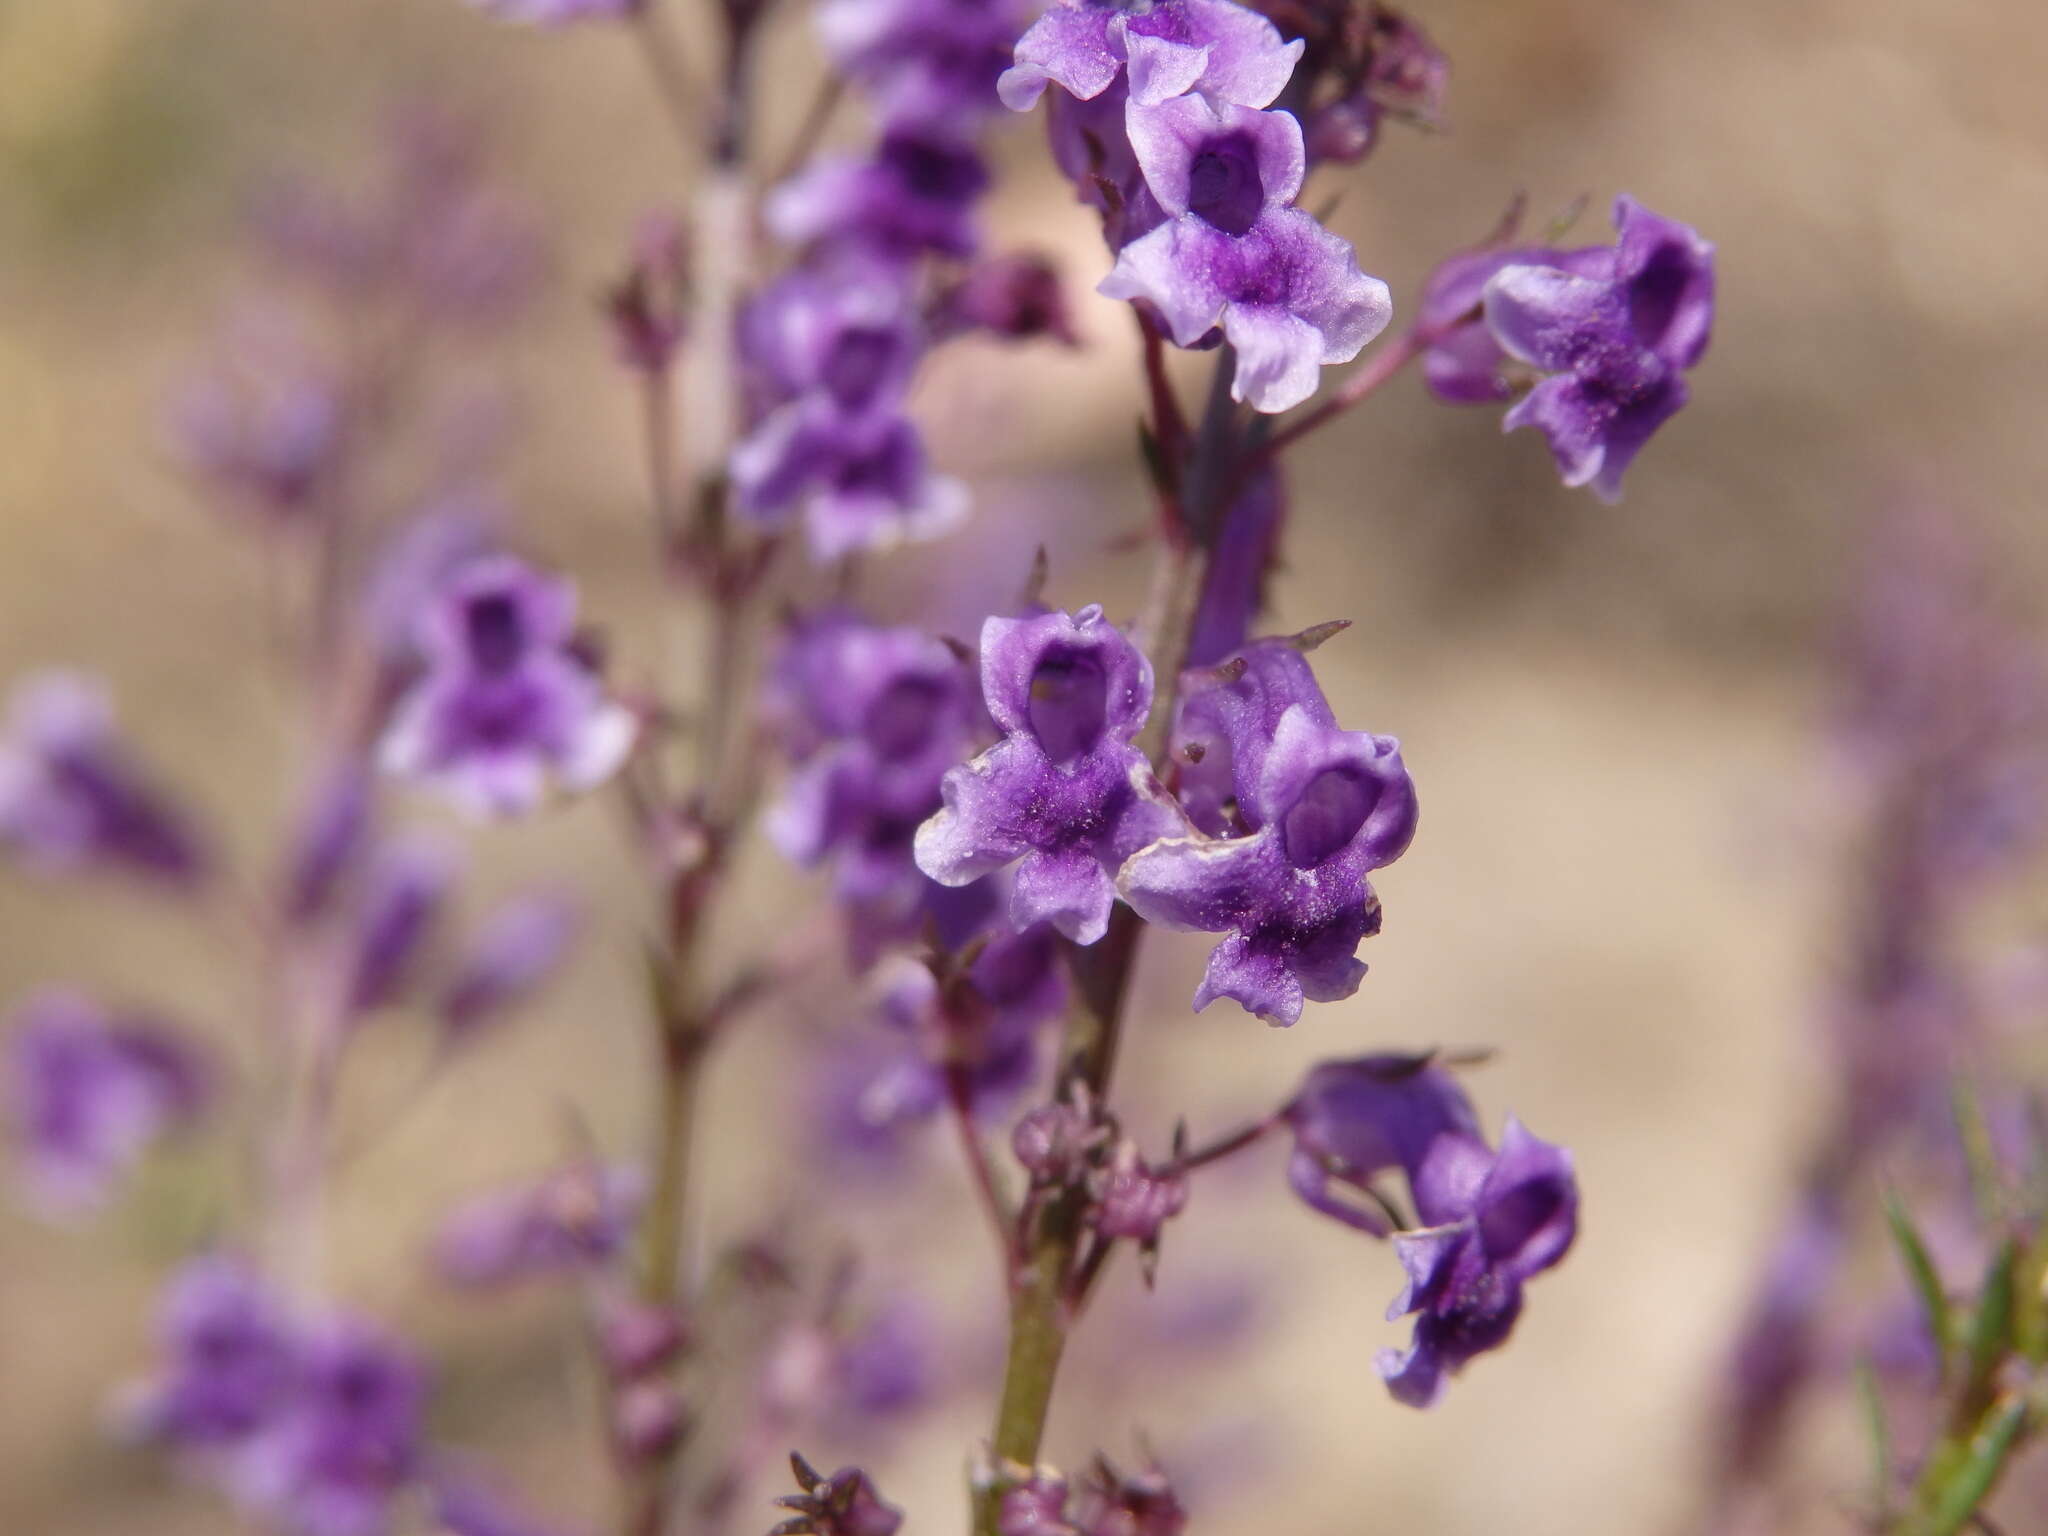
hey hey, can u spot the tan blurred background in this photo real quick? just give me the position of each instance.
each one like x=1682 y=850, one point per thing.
x=1623 y=876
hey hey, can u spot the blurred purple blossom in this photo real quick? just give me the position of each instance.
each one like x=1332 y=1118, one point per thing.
x=515 y=951
x=506 y=703
x=578 y=1218
x=87 y=1093
x=73 y=798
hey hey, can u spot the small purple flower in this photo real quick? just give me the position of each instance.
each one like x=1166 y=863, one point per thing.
x=72 y=798
x=864 y=484
x=872 y=717
x=513 y=954
x=1389 y=66
x=395 y=919
x=1016 y=296
x=1489 y=1219
x=1064 y=790
x=230 y=1358
x=506 y=703
x=88 y=1094
x=348 y=1440
x=914 y=195
x=1320 y=808
x=1166 y=49
x=1616 y=343
x=575 y=1219
x=1036 y=1506
x=922 y=60
x=270 y=433
x=1287 y=292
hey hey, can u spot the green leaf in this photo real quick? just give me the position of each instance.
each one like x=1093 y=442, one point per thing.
x=1920 y=1270
x=1990 y=1335
x=1977 y=1473
x=1987 y=1183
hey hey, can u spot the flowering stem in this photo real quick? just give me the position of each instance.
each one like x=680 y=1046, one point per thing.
x=1048 y=1289
x=960 y=1101
x=1225 y=1146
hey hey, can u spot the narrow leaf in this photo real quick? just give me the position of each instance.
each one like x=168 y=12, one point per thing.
x=1920 y=1270
x=1990 y=1327
x=1879 y=1430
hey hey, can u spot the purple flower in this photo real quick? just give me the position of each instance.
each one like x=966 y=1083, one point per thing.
x=1287 y=292
x=1320 y=808
x=87 y=1094
x=914 y=195
x=72 y=798
x=922 y=60
x=884 y=1367
x=270 y=432
x=844 y=1504
x=575 y=1219
x=505 y=703
x=1168 y=48
x=1464 y=364
x=230 y=1357
x=1134 y=1199
x=1064 y=790
x=1016 y=296
x=328 y=842
x=513 y=954
x=1615 y=343
x=394 y=920
x=864 y=484
x=1387 y=66
x=1489 y=1219
x=468 y=1506
x=346 y=1442
x=872 y=717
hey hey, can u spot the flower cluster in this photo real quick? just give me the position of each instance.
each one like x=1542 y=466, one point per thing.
x=1280 y=818
x=1488 y=1219
x=311 y=1419
x=1199 y=183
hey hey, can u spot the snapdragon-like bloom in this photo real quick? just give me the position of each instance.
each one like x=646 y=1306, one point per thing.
x=1235 y=252
x=1488 y=1219
x=506 y=703
x=576 y=1218
x=1615 y=342
x=71 y=796
x=1163 y=49
x=1064 y=791
x=88 y=1094
x=1318 y=808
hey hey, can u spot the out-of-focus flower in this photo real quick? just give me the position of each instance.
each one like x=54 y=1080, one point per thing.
x=88 y=1093
x=576 y=1218
x=506 y=703
x=395 y=918
x=328 y=841
x=922 y=60
x=1382 y=64
x=913 y=196
x=267 y=433
x=72 y=798
x=1224 y=52
x=1016 y=296
x=511 y=957
x=466 y=1505
x=1615 y=344
x=1064 y=791
x=1235 y=252
x=347 y=1440
x=230 y=1358
x=1320 y=808
x=646 y=306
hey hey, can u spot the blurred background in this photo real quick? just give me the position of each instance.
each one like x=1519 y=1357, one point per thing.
x=1628 y=879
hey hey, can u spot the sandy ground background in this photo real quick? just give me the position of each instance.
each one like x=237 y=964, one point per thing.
x=1624 y=874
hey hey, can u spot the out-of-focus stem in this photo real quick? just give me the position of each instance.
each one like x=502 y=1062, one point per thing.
x=1041 y=1307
